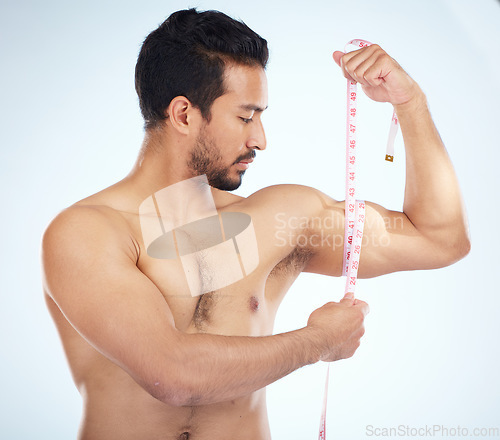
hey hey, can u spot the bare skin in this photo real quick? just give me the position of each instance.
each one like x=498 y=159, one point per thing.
x=152 y=362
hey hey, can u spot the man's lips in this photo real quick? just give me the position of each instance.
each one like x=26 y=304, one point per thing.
x=244 y=163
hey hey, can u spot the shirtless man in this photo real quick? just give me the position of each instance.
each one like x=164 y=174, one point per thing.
x=154 y=363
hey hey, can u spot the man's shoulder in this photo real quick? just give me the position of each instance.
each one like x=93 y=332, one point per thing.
x=292 y=198
x=270 y=194
x=284 y=190
x=104 y=209
x=85 y=215
x=84 y=223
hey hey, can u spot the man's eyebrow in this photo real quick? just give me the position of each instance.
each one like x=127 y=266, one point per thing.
x=252 y=107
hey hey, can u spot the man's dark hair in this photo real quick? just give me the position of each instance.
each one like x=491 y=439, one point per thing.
x=187 y=55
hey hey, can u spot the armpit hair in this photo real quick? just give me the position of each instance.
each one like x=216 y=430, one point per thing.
x=293 y=263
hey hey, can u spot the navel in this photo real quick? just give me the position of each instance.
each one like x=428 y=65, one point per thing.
x=254 y=303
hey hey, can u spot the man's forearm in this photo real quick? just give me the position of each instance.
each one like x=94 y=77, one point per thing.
x=432 y=201
x=218 y=368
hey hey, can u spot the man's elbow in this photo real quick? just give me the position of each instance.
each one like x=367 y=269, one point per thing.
x=457 y=249
x=175 y=386
x=172 y=392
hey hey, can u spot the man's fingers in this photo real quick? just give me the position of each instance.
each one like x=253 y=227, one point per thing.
x=350 y=300
x=368 y=72
x=337 y=55
x=365 y=308
x=356 y=63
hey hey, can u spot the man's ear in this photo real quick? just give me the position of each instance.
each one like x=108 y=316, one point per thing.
x=181 y=114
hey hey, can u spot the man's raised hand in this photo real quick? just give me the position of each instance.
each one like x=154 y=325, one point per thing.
x=381 y=77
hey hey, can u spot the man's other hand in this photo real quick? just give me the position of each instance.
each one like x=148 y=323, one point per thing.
x=339 y=327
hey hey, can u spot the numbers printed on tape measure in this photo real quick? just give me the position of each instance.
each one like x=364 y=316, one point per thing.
x=354 y=209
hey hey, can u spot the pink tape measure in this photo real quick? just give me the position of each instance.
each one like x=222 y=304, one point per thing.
x=354 y=209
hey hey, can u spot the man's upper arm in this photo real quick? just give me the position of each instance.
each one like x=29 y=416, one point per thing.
x=390 y=241
x=92 y=276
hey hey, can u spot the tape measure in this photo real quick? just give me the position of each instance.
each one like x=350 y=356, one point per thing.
x=354 y=209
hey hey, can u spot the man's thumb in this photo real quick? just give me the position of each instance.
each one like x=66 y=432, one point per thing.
x=337 y=55
x=348 y=297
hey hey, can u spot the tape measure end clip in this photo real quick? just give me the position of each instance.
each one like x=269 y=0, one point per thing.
x=389 y=158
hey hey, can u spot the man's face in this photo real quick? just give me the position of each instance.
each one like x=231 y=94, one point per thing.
x=226 y=145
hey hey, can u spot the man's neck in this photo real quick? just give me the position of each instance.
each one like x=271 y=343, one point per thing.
x=162 y=161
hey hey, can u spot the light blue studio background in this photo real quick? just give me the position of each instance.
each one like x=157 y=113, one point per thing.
x=70 y=126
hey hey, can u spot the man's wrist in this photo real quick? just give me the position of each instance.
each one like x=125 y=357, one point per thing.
x=313 y=344
x=416 y=104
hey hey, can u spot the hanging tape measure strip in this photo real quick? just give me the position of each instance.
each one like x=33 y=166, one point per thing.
x=354 y=209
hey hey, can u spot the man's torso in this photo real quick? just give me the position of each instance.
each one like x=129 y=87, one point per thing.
x=115 y=406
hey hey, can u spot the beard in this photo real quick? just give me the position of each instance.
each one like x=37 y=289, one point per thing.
x=205 y=159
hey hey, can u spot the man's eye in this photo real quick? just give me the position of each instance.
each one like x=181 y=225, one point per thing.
x=246 y=120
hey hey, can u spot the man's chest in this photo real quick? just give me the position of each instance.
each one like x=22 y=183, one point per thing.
x=246 y=306
x=224 y=273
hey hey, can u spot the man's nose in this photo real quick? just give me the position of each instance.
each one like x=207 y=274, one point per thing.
x=257 y=138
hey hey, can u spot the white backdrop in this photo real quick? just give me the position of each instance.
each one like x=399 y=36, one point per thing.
x=70 y=126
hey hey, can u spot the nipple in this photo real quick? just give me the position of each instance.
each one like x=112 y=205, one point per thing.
x=254 y=303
